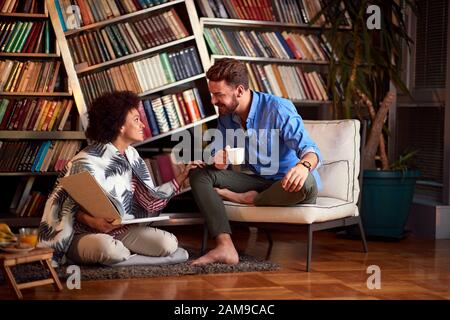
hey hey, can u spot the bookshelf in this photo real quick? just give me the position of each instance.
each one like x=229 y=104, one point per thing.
x=284 y=53
x=157 y=51
x=36 y=111
x=78 y=72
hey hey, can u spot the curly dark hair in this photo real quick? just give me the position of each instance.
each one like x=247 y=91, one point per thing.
x=231 y=70
x=108 y=113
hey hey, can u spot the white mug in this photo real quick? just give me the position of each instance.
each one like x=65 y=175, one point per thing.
x=236 y=156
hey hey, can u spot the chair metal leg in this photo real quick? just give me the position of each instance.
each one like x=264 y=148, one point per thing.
x=309 y=248
x=269 y=238
x=363 y=235
x=204 y=240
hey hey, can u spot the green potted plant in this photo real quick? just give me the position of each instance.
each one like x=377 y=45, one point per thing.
x=366 y=65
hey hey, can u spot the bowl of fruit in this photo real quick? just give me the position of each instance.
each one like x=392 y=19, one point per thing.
x=7 y=237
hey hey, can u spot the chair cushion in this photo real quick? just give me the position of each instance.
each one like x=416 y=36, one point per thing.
x=325 y=209
x=339 y=140
x=179 y=256
x=335 y=180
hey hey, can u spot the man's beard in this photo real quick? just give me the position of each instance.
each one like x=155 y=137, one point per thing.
x=228 y=109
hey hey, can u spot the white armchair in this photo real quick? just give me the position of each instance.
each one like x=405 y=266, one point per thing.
x=337 y=203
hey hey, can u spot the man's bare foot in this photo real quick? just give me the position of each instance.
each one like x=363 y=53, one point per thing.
x=244 y=198
x=224 y=252
x=219 y=254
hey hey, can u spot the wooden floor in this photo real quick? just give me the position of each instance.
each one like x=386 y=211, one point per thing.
x=410 y=269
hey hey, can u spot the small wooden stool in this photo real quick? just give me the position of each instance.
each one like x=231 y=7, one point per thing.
x=39 y=254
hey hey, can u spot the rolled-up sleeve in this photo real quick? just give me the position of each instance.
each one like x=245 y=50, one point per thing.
x=293 y=133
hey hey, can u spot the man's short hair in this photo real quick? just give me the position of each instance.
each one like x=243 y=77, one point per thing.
x=232 y=71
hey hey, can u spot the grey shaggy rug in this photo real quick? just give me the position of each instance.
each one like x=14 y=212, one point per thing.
x=34 y=271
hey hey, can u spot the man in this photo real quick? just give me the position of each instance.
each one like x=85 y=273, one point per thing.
x=296 y=156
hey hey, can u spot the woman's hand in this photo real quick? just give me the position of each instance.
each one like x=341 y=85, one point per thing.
x=104 y=225
x=100 y=224
x=184 y=174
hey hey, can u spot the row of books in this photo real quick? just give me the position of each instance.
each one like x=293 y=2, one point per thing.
x=281 y=45
x=33 y=206
x=287 y=11
x=25 y=37
x=287 y=81
x=118 y=40
x=143 y=75
x=238 y=9
x=26 y=202
x=171 y=111
x=22 y=6
x=28 y=76
x=163 y=168
x=92 y=11
x=35 y=114
x=36 y=156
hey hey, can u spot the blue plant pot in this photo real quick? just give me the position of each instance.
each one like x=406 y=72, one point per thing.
x=386 y=201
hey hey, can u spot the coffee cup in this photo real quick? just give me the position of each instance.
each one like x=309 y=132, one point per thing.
x=236 y=156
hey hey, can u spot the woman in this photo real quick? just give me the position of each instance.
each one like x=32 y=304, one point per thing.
x=114 y=125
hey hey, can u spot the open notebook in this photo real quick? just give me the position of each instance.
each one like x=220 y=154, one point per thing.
x=85 y=190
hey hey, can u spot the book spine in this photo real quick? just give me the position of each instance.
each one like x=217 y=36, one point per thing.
x=199 y=103
x=60 y=15
x=167 y=67
x=144 y=120
x=151 y=117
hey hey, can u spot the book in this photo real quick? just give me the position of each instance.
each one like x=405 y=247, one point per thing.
x=86 y=191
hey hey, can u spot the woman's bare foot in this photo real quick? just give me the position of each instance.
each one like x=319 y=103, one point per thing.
x=244 y=198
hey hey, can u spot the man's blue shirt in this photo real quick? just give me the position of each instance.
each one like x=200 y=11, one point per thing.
x=269 y=112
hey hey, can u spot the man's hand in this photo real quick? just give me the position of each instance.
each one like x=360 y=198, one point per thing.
x=295 y=178
x=220 y=159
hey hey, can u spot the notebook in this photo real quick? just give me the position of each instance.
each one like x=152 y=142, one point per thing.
x=85 y=190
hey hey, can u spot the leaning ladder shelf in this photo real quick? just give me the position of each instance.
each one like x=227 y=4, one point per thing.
x=30 y=177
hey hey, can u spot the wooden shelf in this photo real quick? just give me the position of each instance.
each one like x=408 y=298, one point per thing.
x=133 y=56
x=35 y=94
x=24 y=15
x=311 y=103
x=171 y=85
x=238 y=23
x=271 y=60
x=169 y=133
x=30 y=55
x=15 y=221
x=222 y=22
x=27 y=173
x=122 y=18
x=43 y=135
